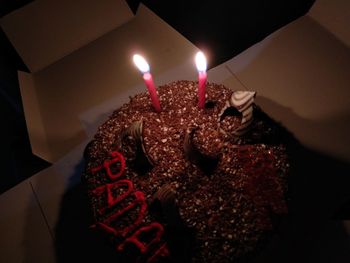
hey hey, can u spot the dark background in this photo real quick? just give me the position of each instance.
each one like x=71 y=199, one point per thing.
x=221 y=28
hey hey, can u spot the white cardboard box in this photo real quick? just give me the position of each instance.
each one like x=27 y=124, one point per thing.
x=301 y=73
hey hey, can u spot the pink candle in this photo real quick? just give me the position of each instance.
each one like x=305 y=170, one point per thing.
x=201 y=64
x=143 y=66
x=147 y=77
x=202 y=80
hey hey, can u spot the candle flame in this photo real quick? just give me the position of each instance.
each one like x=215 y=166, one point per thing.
x=141 y=63
x=201 y=62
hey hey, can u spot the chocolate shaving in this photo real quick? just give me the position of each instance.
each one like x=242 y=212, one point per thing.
x=131 y=140
x=165 y=202
x=206 y=163
x=179 y=237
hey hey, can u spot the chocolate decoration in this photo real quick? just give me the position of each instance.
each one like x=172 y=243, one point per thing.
x=131 y=141
x=166 y=195
x=206 y=163
x=180 y=238
x=240 y=104
x=164 y=200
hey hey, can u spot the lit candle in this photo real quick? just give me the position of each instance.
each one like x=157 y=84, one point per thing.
x=143 y=66
x=201 y=64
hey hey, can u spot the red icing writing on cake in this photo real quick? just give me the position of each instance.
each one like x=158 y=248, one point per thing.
x=111 y=201
x=117 y=158
x=147 y=247
x=151 y=249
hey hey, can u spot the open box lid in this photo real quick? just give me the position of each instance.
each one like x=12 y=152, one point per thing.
x=45 y=31
x=334 y=16
x=66 y=94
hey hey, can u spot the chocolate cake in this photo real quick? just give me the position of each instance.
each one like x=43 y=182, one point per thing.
x=187 y=184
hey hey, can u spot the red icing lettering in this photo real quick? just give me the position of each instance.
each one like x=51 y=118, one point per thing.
x=149 y=249
x=159 y=230
x=161 y=252
x=145 y=247
x=111 y=201
x=116 y=157
x=139 y=200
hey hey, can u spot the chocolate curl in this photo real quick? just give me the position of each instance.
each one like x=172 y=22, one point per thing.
x=242 y=103
x=206 y=163
x=131 y=141
x=180 y=238
x=165 y=199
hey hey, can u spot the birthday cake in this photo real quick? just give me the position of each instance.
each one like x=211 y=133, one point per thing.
x=187 y=184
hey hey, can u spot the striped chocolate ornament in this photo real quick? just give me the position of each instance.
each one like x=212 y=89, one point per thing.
x=243 y=102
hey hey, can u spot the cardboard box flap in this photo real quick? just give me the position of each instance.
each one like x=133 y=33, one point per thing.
x=301 y=74
x=35 y=125
x=47 y=30
x=334 y=16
